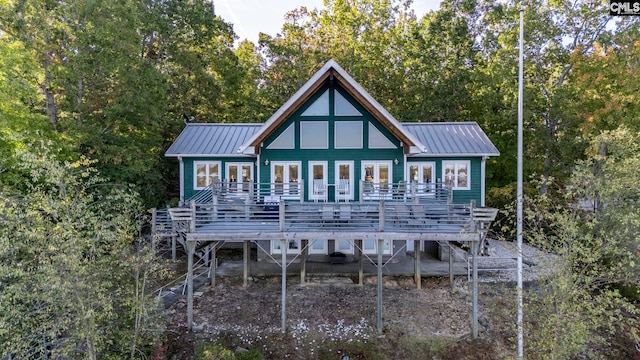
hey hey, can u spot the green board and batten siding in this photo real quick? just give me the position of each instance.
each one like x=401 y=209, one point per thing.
x=331 y=155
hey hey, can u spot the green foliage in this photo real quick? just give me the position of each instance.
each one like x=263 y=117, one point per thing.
x=65 y=263
x=579 y=306
x=219 y=352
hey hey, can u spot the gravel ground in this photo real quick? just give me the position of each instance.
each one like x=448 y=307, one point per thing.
x=501 y=263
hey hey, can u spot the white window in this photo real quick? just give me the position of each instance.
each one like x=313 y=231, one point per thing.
x=371 y=247
x=239 y=176
x=344 y=180
x=456 y=174
x=320 y=107
x=377 y=177
x=285 y=179
x=205 y=173
x=344 y=246
x=318 y=189
x=420 y=177
x=286 y=140
x=292 y=248
x=348 y=135
x=342 y=106
x=377 y=140
x=314 y=134
x=317 y=246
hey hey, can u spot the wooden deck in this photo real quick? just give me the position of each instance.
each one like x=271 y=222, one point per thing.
x=356 y=220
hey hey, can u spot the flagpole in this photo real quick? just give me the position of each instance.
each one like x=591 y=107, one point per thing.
x=519 y=183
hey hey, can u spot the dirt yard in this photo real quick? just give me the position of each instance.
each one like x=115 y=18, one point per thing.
x=327 y=318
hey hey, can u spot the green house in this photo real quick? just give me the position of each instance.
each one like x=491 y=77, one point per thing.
x=332 y=143
x=332 y=134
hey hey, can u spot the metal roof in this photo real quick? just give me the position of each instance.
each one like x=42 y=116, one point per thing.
x=452 y=139
x=199 y=140
x=439 y=139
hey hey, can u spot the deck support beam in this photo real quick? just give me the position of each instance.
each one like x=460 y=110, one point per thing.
x=360 y=263
x=246 y=256
x=174 y=239
x=283 y=250
x=379 y=265
x=450 y=264
x=416 y=265
x=213 y=266
x=474 y=292
x=191 y=249
x=303 y=260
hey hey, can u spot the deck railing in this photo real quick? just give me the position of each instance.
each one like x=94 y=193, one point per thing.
x=360 y=216
x=258 y=193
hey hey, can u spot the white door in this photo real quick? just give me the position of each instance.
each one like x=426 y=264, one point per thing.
x=318 y=189
x=420 y=178
x=239 y=176
x=377 y=177
x=285 y=178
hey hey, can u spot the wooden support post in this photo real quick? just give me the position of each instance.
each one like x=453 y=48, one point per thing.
x=283 y=250
x=417 y=268
x=191 y=249
x=303 y=260
x=381 y=219
x=174 y=239
x=379 y=317
x=246 y=254
x=450 y=264
x=360 y=264
x=214 y=263
x=474 y=294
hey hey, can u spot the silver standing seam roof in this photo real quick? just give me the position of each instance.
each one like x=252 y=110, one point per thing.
x=200 y=140
x=440 y=139
x=452 y=139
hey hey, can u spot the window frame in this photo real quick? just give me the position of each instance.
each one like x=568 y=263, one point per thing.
x=314 y=134
x=337 y=131
x=275 y=247
x=207 y=175
x=456 y=175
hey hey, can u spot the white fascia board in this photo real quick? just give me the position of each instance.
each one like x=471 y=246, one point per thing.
x=248 y=156
x=451 y=155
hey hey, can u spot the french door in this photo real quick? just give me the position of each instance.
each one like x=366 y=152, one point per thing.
x=377 y=177
x=239 y=176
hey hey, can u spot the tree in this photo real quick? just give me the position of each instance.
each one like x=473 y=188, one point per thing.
x=65 y=248
x=587 y=296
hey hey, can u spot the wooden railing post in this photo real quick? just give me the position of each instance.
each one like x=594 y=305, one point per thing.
x=381 y=216
x=192 y=224
x=281 y=215
x=360 y=190
x=154 y=215
x=301 y=190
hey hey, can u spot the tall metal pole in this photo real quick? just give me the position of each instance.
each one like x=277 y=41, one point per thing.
x=520 y=181
x=379 y=317
x=283 y=250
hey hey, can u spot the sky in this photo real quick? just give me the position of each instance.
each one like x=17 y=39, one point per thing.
x=251 y=17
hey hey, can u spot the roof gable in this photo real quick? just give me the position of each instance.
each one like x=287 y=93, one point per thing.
x=332 y=71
